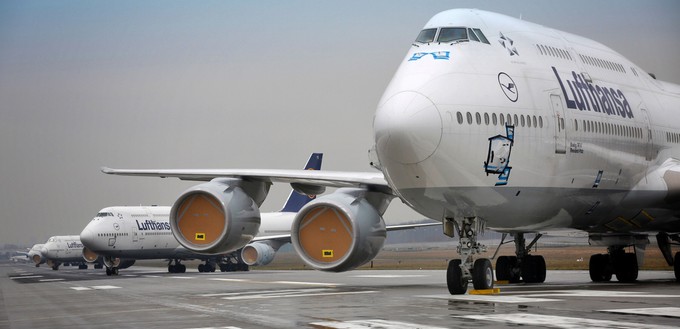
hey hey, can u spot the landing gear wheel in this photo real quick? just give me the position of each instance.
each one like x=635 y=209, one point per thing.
x=201 y=268
x=114 y=271
x=533 y=269
x=454 y=278
x=507 y=269
x=676 y=266
x=108 y=271
x=182 y=268
x=599 y=268
x=482 y=274
x=626 y=267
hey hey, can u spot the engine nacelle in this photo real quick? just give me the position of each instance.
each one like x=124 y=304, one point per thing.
x=37 y=259
x=338 y=232
x=89 y=255
x=216 y=217
x=117 y=262
x=259 y=253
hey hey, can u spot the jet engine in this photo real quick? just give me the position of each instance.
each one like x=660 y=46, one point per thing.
x=217 y=217
x=260 y=253
x=340 y=231
x=89 y=255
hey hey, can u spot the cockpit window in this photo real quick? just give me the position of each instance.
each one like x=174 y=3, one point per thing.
x=105 y=214
x=481 y=36
x=452 y=34
x=426 y=36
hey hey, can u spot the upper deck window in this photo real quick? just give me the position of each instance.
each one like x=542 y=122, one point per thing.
x=426 y=36
x=104 y=214
x=453 y=34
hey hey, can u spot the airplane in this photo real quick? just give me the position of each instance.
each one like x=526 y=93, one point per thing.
x=63 y=249
x=490 y=122
x=127 y=233
x=22 y=257
x=35 y=254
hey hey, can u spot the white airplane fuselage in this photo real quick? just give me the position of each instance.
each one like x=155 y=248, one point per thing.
x=63 y=249
x=144 y=233
x=591 y=144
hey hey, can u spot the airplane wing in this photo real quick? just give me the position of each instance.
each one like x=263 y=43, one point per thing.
x=372 y=180
x=286 y=237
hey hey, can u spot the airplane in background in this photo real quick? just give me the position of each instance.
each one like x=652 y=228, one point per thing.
x=63 y=249
x=19 y=257
x=128 y=233
x=490 y=122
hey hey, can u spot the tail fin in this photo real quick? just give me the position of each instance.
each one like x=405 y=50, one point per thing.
x=296 y=200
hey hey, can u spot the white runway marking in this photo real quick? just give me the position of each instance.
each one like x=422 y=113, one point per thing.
x=104 y=287
x=229 y=327
x=50 y=280
x=152 y=276
x=230 y=280
x=308 y=283
x=26 y=277
x=80 y=288
x=526 y=319
x=672 y=312
x=596 y=293
x=289 y=293
x=181 y=277
x=389 y=276
x=360 y=324
x=493 y=298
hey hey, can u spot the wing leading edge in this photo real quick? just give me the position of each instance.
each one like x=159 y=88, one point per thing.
x=372 y=180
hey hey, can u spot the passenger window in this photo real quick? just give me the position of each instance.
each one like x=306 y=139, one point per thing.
x=452 y=34
x=494 y=119
x=469 y=118
x=535 y=125
x=515 y=120
x=478 y=118
x=481 y=36
x=509 y=120
x=459 y=116
x=486 y=119
x=502 y=122
x=529 y=121
x=521 y=116
x=426 y=36
x=540 y=122
x=575 y=124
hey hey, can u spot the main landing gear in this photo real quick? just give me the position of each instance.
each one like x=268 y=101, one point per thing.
x=461 y=271
x=176 y=267
x=207 y=267
x=113 y=270
x=233 y=263
x=522 y=266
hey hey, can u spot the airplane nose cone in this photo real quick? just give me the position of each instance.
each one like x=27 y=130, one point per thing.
x=87 y=238
x=408 y=128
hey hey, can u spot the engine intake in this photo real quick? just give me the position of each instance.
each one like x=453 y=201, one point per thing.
x=89 y=255
x=260 y=253
x=215 y=217
x=338 y=232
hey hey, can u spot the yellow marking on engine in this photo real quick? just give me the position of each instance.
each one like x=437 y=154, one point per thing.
x=200 y=236
x=492 y=291
x=502 y=282
x=327 y=253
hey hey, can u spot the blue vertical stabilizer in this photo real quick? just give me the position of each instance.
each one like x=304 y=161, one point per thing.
x=296 y=200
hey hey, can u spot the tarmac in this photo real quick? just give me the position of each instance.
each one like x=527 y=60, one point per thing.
x=149 y=297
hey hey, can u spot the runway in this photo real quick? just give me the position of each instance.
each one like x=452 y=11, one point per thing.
x=149 y=297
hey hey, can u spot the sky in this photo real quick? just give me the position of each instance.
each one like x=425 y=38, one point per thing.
x=225 y=84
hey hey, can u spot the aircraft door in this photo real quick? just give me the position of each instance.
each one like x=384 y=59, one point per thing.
x=560 y=124
x=647 y=135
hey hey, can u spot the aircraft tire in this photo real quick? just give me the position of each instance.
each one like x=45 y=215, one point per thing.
x=482 y=274
x=201 y=268
x=454 y=278
x=599 y=268
x=505 y=269
x=676 y=266
x=108 y=271
x=626 y=267
x=533 y=269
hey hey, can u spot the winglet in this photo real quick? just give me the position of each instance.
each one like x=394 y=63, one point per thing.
x=296 y=200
